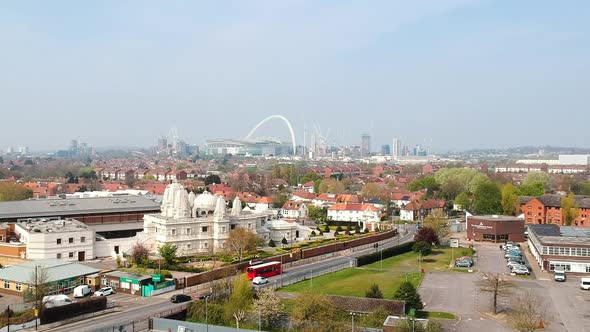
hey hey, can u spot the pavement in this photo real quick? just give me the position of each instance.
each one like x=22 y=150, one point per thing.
x=565 y=305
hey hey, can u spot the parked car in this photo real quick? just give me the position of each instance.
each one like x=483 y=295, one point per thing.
x=559 y=276
x=520 y=270
x=51 y=301
x=585 y=284
x=178 y=298
x=82 y=291
x=105 y=291
x=464 y=263
x=259 y=280
x=512 y=254
x=512 y=264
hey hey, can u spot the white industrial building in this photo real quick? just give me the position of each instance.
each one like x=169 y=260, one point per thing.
x=66 y=239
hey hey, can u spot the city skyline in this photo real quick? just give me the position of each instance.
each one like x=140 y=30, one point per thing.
x=460 y=73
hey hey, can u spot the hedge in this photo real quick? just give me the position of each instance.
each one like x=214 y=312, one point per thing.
x=389 y=252
x=93 y=304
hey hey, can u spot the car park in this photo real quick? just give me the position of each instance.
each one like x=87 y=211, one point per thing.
x=259 y=280
x=105 y=291
x=179 y=298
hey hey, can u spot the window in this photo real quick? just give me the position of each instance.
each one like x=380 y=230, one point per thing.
x=188 y=231
x=58 y=241
x=231 y=227
x=1 y=237
x=71 y=240
x=82 y=239
x=18 y=286
x=6 y=284
x=58 y=256
x=529 y=207
x=530 y=213
x=173 y=231
x=204 y=229
x=223 y=231
x=71 y=254
x=104 y=281
x=188 y=246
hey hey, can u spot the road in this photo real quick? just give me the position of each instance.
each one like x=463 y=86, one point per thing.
x=146 y=307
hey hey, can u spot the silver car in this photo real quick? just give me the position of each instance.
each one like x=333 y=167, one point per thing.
x=520 y=270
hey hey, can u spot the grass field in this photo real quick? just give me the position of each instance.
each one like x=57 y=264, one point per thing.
x=388 y=274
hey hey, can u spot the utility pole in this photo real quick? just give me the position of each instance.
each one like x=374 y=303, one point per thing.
x=36 y=297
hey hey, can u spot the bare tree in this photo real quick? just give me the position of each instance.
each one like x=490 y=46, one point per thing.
x=38 y=286
x=239 y=316
x=528 y=313
x=495 y=285
x=242 y=241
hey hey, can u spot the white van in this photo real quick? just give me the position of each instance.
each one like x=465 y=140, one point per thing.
x=56 y=300
x=82 y=291
x=585 y=284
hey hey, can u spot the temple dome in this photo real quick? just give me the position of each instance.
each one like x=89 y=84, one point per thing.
x=205 y=201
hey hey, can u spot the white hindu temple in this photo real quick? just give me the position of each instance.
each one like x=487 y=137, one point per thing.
x=201 y=224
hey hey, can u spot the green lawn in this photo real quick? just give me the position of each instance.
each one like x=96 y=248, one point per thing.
x=354 y=282
x=388 y=274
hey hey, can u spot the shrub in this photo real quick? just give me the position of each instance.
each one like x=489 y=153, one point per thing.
x=366 y=230
x=166 y=274
x=336 y=233
x=374 y=292
x=424 y=247
x=312 y=233
x=339 y=229
x=357 y=230
x=327 y=229
x=349 y=227
x=272 y=243
x=407 y=292
x=284 y=241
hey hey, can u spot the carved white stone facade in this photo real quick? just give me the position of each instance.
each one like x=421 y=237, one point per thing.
x=201 y=224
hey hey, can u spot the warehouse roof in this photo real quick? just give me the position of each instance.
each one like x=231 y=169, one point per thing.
x=56 y=270
x=71 y=206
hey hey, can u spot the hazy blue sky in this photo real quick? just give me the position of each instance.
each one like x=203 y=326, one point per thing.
x=459 y=73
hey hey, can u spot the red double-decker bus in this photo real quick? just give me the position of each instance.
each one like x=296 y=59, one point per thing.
x=264 y=270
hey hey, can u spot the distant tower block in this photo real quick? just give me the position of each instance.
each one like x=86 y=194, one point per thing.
x=396 y=148
x=365 y=145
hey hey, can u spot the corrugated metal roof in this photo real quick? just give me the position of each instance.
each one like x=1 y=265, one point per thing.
x=56 y=270
x=63 y=207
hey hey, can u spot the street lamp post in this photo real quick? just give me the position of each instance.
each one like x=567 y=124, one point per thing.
x=413 y=324
x=381 y=262
x=352 y=314
x=207 y=311
x=420 y=262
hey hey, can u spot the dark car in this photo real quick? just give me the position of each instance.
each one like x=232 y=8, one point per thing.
x=178 y=298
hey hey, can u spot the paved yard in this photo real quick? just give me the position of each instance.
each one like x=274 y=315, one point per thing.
x=565 y=304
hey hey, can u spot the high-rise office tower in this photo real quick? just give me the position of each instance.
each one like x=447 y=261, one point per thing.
x=365 y=145
x=396 y=148
x=385 y=150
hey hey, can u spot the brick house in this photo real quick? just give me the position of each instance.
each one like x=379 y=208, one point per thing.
x=546 y=209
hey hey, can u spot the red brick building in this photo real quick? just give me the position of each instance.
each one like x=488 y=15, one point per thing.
x=546 y=209
x=495 y=228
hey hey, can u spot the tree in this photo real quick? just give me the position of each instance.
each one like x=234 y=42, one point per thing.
x=272 y=243
x=317 y=213
x=533 y=189
x=528 y=313
x=371 y=190
x=168 y=253
x=495 y=285
x=422 y=247
x=139 y=253
x=269 y=306
x=456 y=180
x=374 y=292
x=570 y=209
x=537 y=177
x=313 y=308
x=14 y=192
x=509 y=199
x=332 y=186
x=437 y=220
x=284 y=241
x=280 y=199
x=240 y=300
x=407 y=292
x=428 y=235
x=212 y=179
x=427 y=182
x=463 y=201
x=242 y=241
x=488 y=199
x=38 y=286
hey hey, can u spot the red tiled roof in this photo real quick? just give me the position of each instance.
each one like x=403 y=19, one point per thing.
x=292 y=205
x=353 y=207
